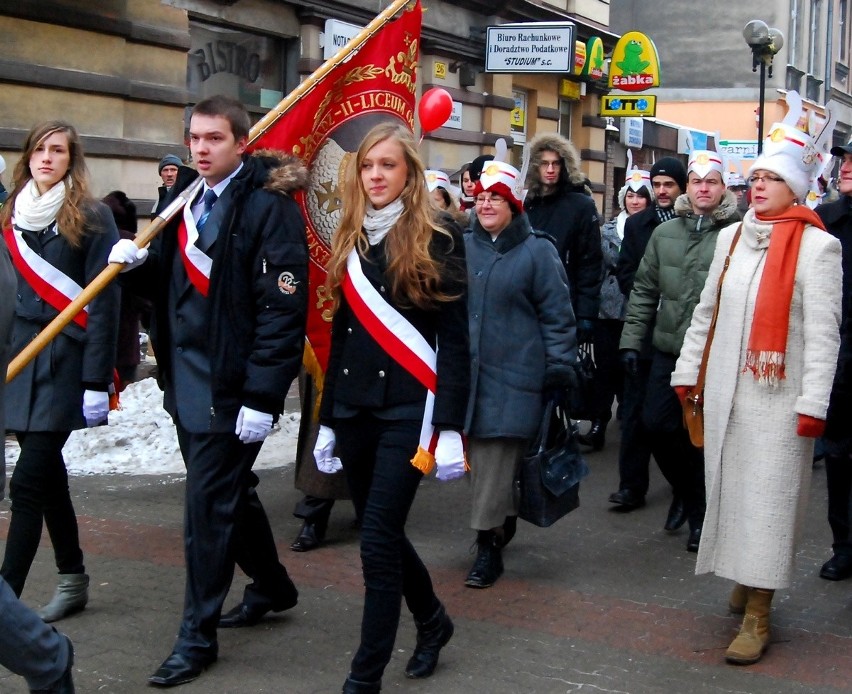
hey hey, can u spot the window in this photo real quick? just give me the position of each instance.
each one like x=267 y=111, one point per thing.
x=813 y=48
x=248 y=67
x=843 y=32
x=565 y=118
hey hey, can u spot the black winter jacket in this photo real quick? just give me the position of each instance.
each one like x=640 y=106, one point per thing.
x=569 y=215
x=837 y=217
x=362 y=375
x=255 y=329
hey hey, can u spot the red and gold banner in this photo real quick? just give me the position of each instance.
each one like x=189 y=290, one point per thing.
x=325 y=128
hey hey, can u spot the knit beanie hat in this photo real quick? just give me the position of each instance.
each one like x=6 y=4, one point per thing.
x=475 y=168
x=669 y=166
x=503 y=179
x=169 y=160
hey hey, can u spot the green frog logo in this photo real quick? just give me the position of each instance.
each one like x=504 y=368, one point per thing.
x=633 y=63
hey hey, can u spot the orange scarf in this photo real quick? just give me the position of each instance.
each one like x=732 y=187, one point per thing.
x=767 y=343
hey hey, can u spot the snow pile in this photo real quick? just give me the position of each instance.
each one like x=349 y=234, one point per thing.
x=140 y=440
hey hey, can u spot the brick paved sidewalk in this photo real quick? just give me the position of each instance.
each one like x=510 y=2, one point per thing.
x=600 y=602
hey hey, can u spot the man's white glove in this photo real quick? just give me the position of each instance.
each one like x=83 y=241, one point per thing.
x=449 y=456
x=253 y=426
x=95 y=407
x=127 y=253
x=324 y=451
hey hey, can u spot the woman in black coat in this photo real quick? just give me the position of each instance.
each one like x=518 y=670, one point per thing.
x=393 y=403
x=59 y=238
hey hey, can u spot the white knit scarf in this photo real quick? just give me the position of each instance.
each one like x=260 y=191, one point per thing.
x=35 y=212
x=377 y=223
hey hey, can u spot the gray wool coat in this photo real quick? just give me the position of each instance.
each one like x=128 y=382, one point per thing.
x=522 y=329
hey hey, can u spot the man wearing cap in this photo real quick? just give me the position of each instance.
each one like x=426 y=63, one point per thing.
x=666 y=290
x=168 y=170
x=837 y=217
x=668 y=181
x=559 y=204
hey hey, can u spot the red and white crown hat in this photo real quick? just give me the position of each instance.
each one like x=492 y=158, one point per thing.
x=436 y=178
x=636 y=178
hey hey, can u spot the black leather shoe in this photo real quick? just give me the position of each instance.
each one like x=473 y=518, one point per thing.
x=627 y=500
x=432 y=636
x=351 y=686
x=310 y=537
x=677 y=515
x=694 y=539
x=595 y=436
x=488 y=566
x=178 y=669
x=838 y=568
x=244 y=615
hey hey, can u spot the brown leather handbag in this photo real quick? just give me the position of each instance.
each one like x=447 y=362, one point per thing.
x=693 y=404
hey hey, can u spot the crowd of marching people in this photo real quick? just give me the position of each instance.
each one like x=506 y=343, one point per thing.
x=457 y=317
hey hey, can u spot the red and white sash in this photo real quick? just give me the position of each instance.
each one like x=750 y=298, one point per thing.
x=196 y=262
x=46 y=280
x=402 y=341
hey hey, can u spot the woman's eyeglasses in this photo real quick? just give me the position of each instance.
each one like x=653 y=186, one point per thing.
x=495 y=200
x=766 y=178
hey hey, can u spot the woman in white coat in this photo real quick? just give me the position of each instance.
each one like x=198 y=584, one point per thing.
x=768 y=379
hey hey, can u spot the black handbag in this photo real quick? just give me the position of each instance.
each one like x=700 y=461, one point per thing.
x=581 y=400
x=550 y=473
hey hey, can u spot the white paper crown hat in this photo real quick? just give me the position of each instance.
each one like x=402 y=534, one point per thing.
x=438 y=179
x=703 y=161
x=636 y=178
x=793 y=154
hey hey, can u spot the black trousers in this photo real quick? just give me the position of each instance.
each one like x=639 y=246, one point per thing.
x=609 y=375
x=634 y=453
x=838 y=477
x=39 y=490
x=376 y=455
x=681 y=463
x=313 y=509
x=224 y=524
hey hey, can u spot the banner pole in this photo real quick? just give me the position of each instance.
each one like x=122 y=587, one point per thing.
x=144 y=237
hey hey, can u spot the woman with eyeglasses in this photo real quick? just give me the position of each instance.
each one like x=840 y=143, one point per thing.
x=768 y=378
x=523 y=347
x=396 y=386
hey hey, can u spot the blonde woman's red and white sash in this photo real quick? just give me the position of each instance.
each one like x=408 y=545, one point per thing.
x=403 y=342
x=196 y=262
x=46 y=280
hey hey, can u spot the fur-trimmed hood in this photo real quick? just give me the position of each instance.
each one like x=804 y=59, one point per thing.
x=570 y=177
x=279 y=172
x=727 y=208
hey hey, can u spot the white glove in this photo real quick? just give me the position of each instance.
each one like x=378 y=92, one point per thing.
x=253 y=426
x=127 y=253
x=95 y=407
x=324 y=451
x=449 y=456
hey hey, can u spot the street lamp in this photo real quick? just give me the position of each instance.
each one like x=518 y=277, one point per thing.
x=765 y=42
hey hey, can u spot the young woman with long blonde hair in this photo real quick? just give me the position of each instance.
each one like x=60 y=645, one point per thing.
x=397 y=384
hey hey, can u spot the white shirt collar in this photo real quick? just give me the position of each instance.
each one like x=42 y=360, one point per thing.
x=219 y=188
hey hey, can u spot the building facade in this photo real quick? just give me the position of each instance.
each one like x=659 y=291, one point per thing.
x=127 y=72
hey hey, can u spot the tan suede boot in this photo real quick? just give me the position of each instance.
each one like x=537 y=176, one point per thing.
x=738 y=599
x=753 y=638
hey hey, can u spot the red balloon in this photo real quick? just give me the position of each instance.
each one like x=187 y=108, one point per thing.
x=435 y=108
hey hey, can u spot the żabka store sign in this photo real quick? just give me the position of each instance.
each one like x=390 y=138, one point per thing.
x=635 y=65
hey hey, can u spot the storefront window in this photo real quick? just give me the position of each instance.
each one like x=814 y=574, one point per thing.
x=565 y=118
x=248 y=67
